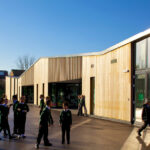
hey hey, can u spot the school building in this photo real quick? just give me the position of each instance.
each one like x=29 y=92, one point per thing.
x=115 y=82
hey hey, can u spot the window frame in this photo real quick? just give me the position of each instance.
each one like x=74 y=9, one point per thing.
x=147 y=68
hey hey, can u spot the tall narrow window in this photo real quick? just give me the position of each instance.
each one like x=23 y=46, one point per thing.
x=43 y=88
x=37 y=94
x=141 y=54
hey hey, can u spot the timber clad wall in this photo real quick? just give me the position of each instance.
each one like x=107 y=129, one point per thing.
x=40 y=78
x=66 y=68
x=112 y=84
x=11 y=87
x=7 y=87
x=112 y=80
x=28 y=77
x=46 y=70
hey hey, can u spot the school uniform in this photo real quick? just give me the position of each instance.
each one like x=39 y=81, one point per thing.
x=145 y=118
x=82 y=103
x=16 y=123
x=42 y=105
x=22 y=111
x=66 y=122
x=79 y=107
x=6 y=123
x=45 y=120
x=2 y=118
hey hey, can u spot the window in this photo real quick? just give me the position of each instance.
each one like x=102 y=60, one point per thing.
x=43 y=88
x=2 y=73
x=140 y=90
x=141 y=54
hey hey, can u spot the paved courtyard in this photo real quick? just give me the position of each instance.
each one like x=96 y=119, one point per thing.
x=86 y=134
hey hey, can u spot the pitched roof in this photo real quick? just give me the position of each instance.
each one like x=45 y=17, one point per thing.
x=16 y=73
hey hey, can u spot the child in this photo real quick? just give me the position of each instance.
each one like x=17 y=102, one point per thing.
x=48 y=98
x=65 y=122
x=45 y=120
x=6 y=113
x=42 y=104
x=145 y=116
x=15 y=104
x=2 y=120
x=22 y=112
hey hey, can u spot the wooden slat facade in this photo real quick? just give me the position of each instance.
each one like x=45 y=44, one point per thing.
x=64 y=69
x=112 y=84
x=28 y=77
x=7 y=87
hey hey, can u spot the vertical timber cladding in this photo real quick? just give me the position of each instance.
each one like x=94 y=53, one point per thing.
x=19 y=87
x=7 y=87
x=27 y=78
x=112 y=83
x=64 y=68
x=27 y=84
x=40 y=78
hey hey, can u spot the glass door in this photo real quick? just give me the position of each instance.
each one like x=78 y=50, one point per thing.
x=140 y=90
x=92 y=95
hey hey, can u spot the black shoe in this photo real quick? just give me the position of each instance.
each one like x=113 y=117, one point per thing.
x=48 y=144
x=62 y=142
x=139 y=133
x=5 y=136
x=14 y=134
x=36 y=146
x=68 y=142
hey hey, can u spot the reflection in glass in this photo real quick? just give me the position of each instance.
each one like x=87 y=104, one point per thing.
x=61 y=92
x=139 y=90
x=141 y=54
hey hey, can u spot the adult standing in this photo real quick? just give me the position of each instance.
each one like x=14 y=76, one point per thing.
x=79 y=105
x=83 y=104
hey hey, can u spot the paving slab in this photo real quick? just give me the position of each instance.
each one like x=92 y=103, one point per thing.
x=86 y=134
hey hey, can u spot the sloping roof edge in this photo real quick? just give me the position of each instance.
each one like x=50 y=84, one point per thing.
x=124 y=42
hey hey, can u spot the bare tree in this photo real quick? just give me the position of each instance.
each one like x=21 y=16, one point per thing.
x=25 y=62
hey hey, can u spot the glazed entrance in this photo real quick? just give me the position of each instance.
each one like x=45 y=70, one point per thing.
x=60 y=92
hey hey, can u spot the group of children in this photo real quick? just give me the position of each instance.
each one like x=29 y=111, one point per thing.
x=4 y=112
x=20 y=109
x=46 y=120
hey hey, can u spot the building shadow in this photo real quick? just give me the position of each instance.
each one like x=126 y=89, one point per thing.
x=143 y=144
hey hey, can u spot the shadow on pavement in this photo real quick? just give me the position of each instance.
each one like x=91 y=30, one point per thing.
x=144 y=146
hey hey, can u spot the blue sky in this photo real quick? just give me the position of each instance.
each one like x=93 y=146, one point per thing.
x=61 y=27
